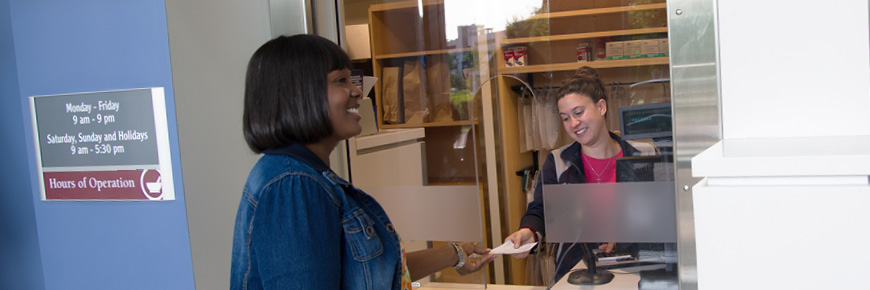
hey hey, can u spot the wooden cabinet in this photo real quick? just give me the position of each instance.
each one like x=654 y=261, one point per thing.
x=409 y=46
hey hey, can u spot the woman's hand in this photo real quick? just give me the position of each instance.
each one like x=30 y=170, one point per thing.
x=607 y=248
x=519 y=238
x=474 y=264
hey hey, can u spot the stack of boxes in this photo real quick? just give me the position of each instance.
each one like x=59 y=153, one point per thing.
x=516 y=56
x=637 y=48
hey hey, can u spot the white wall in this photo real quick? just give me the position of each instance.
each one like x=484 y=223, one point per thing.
x=210 y=44
x=789 y=180
x=794 y=68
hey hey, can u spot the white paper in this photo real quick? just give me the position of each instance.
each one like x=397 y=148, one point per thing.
x=368 y=84
x=508 y=248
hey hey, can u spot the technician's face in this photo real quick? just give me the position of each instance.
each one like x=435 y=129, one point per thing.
x=582 y=118
x=342 y=97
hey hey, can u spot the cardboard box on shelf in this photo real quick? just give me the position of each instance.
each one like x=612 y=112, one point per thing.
x=520 y=56
x=634 y=49
x=616 y=50
x=650 y=48
x=508 y=56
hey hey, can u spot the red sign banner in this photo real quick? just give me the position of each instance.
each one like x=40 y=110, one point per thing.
x=140 y=184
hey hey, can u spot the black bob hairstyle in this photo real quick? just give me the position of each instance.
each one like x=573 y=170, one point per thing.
x=285 y=91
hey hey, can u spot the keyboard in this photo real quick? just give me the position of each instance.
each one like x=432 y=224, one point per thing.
x=601 y=256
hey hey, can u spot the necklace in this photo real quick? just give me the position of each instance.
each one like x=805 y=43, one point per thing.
x=598 y=175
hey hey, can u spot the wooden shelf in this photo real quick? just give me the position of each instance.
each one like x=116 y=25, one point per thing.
x=599 y=11
x=593 y=64
x=451 y=183
x=433 y=124
x=402 y=5
x=585 y=35
x=421 y=53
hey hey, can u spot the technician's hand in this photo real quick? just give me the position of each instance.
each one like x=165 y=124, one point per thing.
x=607 y=248
x=519 y=238
x=474 y=264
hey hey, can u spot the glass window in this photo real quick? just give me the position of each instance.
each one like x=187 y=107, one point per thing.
x=479 y=82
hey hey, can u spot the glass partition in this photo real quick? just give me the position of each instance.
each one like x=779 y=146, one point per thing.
x=636 y=220
x=429 y=62
x=476 y=81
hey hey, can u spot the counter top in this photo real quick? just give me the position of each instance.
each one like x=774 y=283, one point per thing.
x=830 y=157
x=389 y=136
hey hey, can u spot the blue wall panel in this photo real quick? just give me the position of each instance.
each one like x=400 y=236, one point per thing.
x=20 y=266
x=92 y=45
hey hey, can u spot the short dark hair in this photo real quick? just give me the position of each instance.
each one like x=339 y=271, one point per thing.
x=586 y=81
x=285 y=91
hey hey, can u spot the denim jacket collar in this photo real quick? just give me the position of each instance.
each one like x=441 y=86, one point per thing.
x=300 y=152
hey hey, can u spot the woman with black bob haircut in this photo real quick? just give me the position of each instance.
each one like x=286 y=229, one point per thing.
x=299 y=225
x=282 y=104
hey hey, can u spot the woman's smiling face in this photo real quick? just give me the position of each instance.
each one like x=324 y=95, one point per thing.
x=582 y=118
x=342 y=99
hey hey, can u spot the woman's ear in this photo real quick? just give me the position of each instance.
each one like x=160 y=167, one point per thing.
x=602 y=106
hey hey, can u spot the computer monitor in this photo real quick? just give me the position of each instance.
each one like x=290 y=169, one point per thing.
x=645 y=168
x=646 y=121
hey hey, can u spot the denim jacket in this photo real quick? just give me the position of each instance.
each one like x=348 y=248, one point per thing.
x=299 y=226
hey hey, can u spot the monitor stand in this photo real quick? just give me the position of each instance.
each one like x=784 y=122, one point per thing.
x=586 y=277
x=592 y=275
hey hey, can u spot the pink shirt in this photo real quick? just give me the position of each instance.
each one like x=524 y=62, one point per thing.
x=600 y=170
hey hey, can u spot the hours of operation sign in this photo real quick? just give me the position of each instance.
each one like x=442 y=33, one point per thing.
x=111 y=145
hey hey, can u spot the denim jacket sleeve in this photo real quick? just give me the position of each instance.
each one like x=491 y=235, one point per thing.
x=294 y=234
